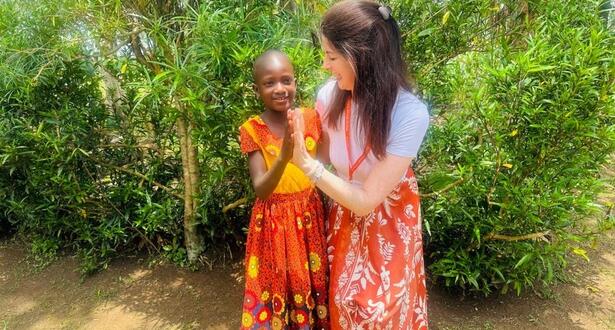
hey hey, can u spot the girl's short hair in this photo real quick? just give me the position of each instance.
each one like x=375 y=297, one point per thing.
x=368 y=36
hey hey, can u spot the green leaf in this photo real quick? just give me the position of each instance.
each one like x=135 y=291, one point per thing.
x=427 y=226
x=581 y=252
x=539 y=68
x=426 y=32
x=523 y=260
x=477 y=234
x=445 y=17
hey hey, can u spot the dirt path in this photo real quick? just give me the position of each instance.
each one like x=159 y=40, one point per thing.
x=133 y=295
x=129 y=295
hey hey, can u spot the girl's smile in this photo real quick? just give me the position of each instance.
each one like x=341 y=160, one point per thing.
x=275 y=84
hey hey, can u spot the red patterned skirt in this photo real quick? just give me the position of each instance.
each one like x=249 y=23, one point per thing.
x=377 y=273
x=286 y=269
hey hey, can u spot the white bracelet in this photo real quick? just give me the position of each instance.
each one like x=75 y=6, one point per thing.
x=319 y=172
x=316 y=172
x=312 y=170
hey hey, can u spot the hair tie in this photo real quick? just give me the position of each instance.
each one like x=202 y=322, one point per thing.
x=385 y=12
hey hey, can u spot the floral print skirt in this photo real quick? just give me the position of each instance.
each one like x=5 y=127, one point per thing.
x=377 y=273
x=286 y=269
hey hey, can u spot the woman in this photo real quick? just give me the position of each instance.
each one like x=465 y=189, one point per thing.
x=373 y=127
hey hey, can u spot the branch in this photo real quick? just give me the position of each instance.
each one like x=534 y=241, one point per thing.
x=127 y=41
x=130 y=146
x=122 y=214
x=135 y=43
x=234 y=204
x=538 y=235
x=114 y=50
x=491 y=137
x=445 y=189
x=154 y=182
x=40 y=71
x=137 y=174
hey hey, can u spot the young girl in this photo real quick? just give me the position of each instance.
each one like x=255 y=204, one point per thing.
x=286 y=269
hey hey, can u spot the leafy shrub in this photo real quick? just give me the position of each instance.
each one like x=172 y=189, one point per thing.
x=517 y=149
x=90 y=157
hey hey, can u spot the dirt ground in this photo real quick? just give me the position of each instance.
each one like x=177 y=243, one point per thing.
x=134 y=295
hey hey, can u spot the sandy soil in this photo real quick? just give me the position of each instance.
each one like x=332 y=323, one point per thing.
x=134 y=295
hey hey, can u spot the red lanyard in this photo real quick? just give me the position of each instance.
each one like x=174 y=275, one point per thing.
x=352 y=167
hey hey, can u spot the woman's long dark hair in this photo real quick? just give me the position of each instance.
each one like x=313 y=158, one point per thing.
x=372 y=44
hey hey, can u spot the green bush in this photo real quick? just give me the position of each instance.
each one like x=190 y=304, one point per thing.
x=521 y=133
x=90 y=157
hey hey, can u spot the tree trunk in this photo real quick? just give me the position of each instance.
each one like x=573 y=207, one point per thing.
x=605 y=10
x=193 y=241
x=190 y=167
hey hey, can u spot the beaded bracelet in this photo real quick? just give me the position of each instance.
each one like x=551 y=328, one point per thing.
x=319 y=172
x=316 y=172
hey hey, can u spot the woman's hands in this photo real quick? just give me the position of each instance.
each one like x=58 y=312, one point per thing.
x=361 y=199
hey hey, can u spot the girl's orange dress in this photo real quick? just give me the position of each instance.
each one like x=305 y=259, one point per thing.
x=286 y=265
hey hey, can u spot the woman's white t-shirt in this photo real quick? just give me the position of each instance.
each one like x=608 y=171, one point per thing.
x=409 y=122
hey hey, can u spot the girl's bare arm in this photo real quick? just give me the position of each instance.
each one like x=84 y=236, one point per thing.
x=264 y=181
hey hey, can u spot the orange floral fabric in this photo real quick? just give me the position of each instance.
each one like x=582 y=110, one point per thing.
x=377 y=273
x=286 y=265
x=255 y=135
x=247 y=143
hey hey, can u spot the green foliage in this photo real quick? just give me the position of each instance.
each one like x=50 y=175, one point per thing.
x=90 y=158
x=521 y=137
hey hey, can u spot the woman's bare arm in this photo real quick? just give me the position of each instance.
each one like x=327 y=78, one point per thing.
x=380 y=182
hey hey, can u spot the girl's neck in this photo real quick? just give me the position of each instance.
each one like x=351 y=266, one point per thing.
x=275 y=116
x=276 y=120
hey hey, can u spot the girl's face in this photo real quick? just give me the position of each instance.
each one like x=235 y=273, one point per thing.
x=338 y=65
x=275 y=84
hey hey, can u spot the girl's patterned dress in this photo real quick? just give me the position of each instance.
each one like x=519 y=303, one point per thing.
x=286 y=265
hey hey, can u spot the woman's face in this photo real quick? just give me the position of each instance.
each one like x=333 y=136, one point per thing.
x=338 y=65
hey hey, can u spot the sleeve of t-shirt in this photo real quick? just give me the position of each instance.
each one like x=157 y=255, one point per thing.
x=409 y=122
x=323 y=99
